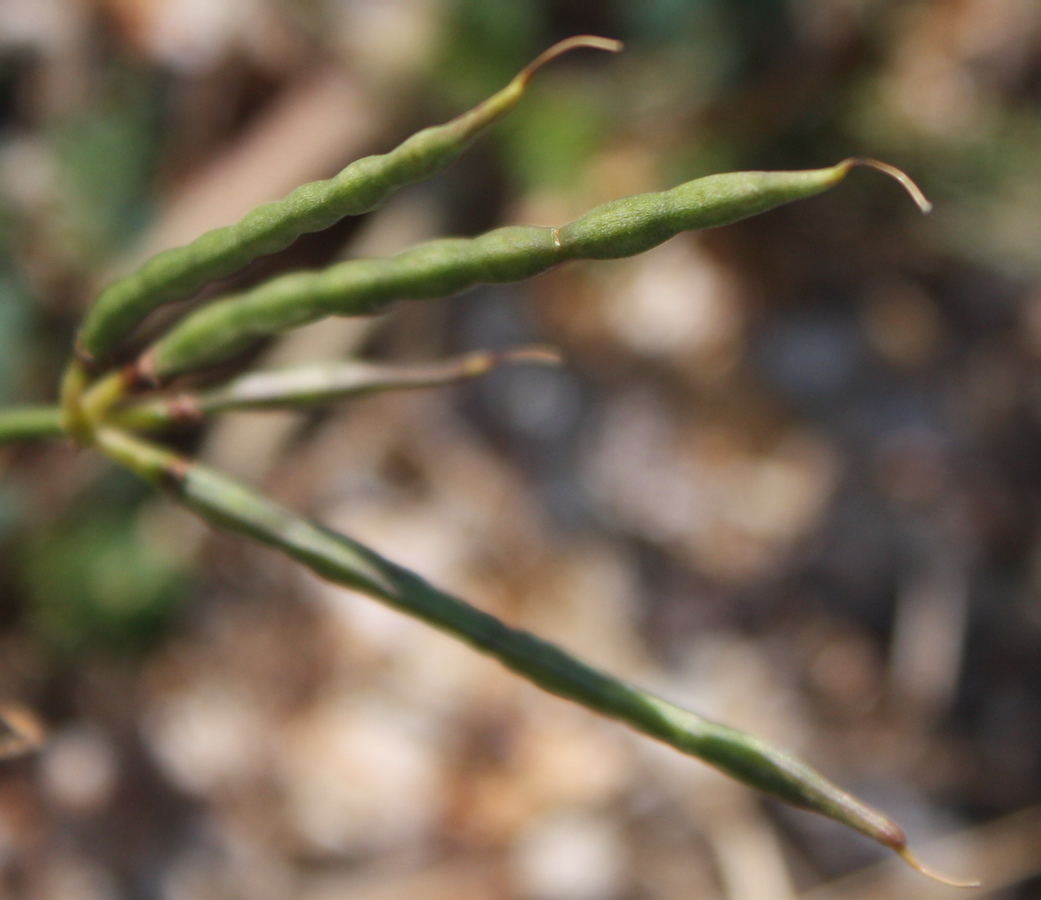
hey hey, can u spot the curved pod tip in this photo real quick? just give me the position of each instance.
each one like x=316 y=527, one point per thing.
x=590 y=41
x=483 y=361
x=538 y=354
x=896 y=174
x=913 y=861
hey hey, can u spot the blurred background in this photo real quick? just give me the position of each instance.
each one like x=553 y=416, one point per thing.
x=788 y=475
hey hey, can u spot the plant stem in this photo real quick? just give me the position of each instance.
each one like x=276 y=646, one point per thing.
x=30 y=423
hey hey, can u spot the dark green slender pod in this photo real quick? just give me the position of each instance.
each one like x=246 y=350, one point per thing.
x=340 y=559
x=363 y=186
x=619 y=228
x=30 y=423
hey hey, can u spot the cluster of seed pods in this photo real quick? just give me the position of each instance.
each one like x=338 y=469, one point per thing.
x=100 y=407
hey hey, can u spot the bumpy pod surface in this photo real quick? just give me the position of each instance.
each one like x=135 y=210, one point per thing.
x=363 y=186
x=619 y=228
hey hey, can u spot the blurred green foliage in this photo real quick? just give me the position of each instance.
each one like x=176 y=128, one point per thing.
x=487 y=42
x=100 y=577
x=106 y=157
x=16 y=319
x=549 y=140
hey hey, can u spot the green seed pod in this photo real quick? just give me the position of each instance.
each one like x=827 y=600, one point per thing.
x=634 y=225
x=308 y=385
x=341 y=560
x=618 y=228
x=363 y=186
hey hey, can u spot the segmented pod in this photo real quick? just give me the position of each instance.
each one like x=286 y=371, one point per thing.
x=619 y=228
x=363 y=186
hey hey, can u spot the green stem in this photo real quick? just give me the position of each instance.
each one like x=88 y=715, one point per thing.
x=333 y=556
x=30 y=423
